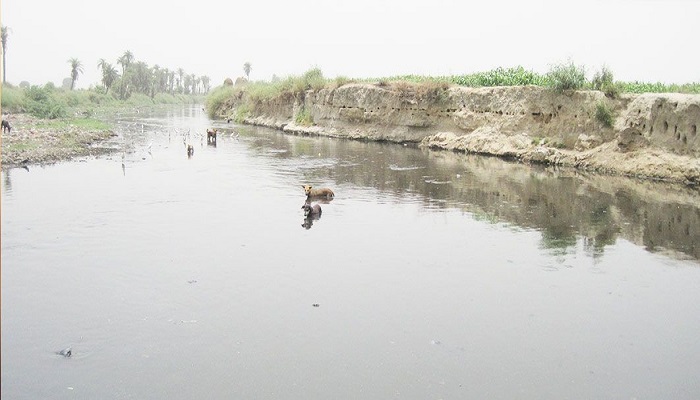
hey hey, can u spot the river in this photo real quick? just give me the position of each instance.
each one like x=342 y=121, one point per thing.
x=431 y=274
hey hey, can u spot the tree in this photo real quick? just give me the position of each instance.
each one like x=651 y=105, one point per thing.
x=101 y=64
x=194 y=82
x=4 y=34
x=171 y=80
x=109 y=76
x=76 y=68
x=246 y=69
x=125 y=60
x=181 y=73
x=205 y=83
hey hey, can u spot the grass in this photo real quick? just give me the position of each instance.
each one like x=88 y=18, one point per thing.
x=89 y=124
x=217 y=97
x=50 y=102
x=19 y=147
x=562 y=78
x=566 y=76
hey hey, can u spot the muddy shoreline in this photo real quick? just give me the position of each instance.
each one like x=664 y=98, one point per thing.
x=35 y=141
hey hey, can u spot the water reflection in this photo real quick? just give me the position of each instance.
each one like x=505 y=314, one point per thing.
x=563 y=204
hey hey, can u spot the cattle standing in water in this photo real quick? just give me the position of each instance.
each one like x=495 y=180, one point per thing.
x=211 y=136
x=311 y=213
x=190 y=150
x=318 y=193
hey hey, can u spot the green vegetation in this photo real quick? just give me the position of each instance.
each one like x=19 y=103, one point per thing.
x=517 y=76
x=90 y=124
x=217 y=97
x=604 y=114
x=603 y=81
x=566 y=76
x=50 y=102
x=304 y=118
x=76 y=68
x=658 y=87
x=562 y=78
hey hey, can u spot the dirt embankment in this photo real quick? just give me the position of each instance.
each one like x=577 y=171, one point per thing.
x=36 y=141
x=651 y=135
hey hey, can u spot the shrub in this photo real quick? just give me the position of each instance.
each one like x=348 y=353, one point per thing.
x=566 y=76
x=313 y=79
x=241 y=113
x=601 y=78
x=603 y=81
x=433 y=91
x=340 y=81
x=42 y=103
x=604 y=114
x=13 y=99
x=217 y=97
x=304 y=118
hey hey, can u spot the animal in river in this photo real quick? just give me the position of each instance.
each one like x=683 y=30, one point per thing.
x=67 y=352
x=190 y=150
x=315 y=193
x=312 y=211
x=311 y=214
x=6 y=128
x=211 y=135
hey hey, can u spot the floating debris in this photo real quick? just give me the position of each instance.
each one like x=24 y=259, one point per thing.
x=394 y=167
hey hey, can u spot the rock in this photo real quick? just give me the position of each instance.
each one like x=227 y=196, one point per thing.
x=587 y=142
x=631 y=139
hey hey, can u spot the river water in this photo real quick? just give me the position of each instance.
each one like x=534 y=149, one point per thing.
x=431 y=275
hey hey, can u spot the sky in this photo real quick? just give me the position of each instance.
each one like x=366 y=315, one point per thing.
x=638 y=40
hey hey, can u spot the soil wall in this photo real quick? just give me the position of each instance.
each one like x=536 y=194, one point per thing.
x=652 y=135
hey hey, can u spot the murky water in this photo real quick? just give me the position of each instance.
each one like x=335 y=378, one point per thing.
x=430 y=275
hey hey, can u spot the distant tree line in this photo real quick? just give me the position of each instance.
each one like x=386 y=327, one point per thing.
x=138 y=77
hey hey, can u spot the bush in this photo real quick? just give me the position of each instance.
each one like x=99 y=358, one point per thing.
x=566 y=76
x=602 y=78
x=604 y=114
x=304 y=118
x=313 y=79
x=340 y=81
x=217 y=97
x=41 y=102
x=603 y=81
x=241 y=113
x=13 y=99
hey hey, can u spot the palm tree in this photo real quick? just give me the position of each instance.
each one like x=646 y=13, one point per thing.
x=109 y=76
x=181 y=73
x=193 y=82
x=125 y=60
x=76 y=68
x=246 y=69
x=205 y=83
x=4 y=34
x=171 y=79
x=101 y=65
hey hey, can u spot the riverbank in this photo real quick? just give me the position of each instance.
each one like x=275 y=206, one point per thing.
x=39 y=141
x=650 y=136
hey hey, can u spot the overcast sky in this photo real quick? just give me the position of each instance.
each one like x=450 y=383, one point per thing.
x=646 y=40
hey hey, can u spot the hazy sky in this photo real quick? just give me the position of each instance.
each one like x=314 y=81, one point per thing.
x=646 y=40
